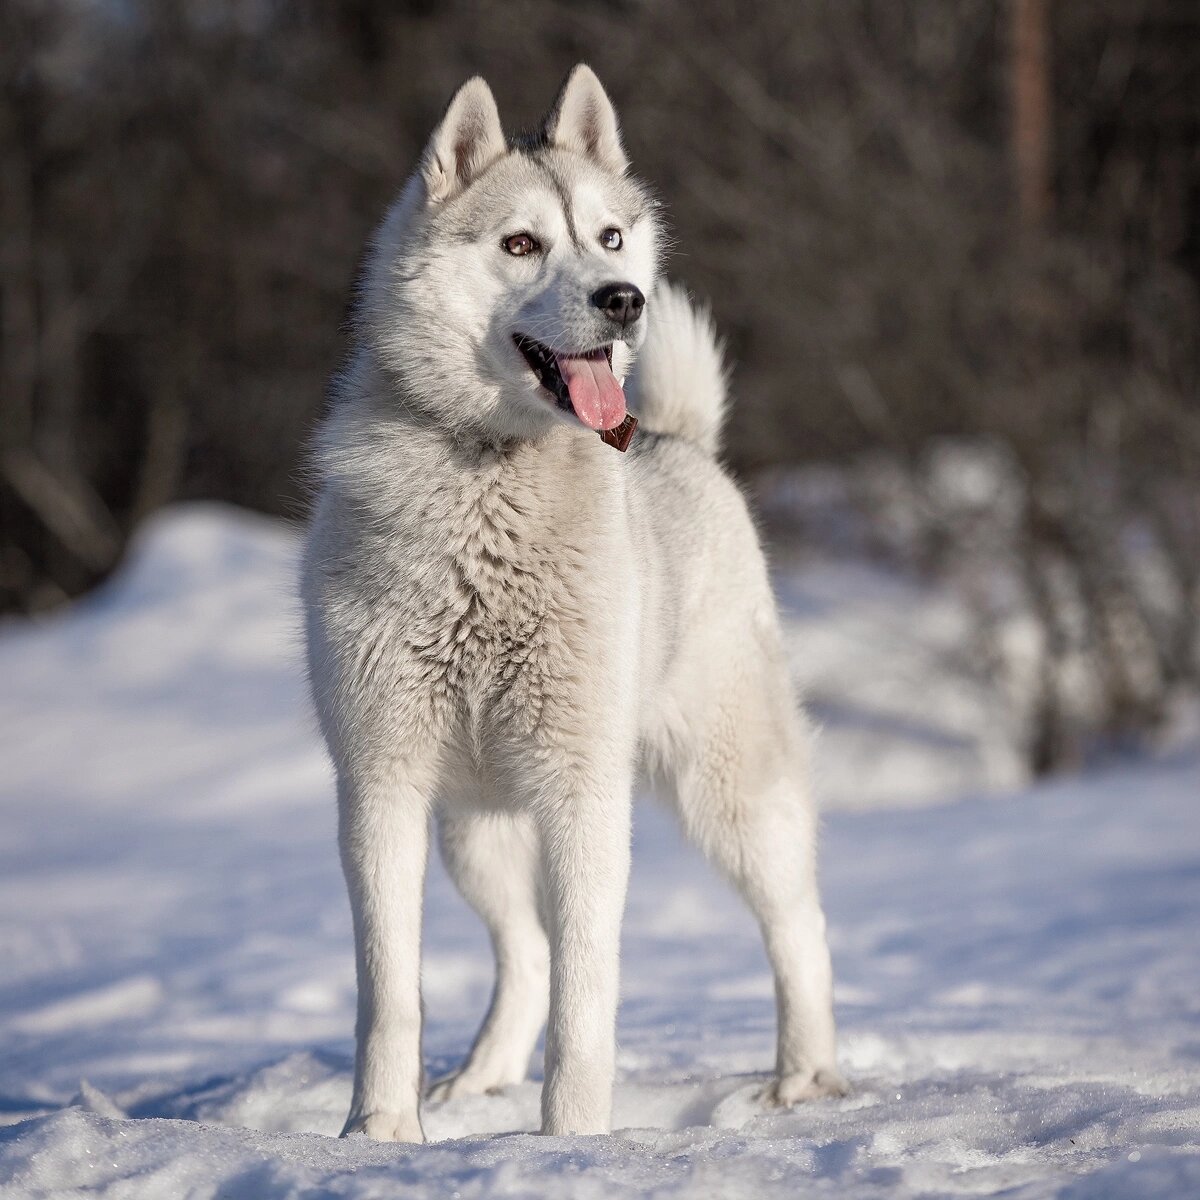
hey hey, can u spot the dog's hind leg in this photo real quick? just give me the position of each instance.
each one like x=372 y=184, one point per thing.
x=493 y=859
x=741 y=793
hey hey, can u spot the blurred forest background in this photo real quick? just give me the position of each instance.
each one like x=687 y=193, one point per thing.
x=954 y=246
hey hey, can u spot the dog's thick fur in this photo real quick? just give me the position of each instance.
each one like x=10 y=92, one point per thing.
x=507 y=617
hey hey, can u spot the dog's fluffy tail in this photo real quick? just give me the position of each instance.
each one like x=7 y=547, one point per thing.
x=678 y=383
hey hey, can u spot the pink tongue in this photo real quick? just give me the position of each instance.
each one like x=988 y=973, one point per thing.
x=596 y=396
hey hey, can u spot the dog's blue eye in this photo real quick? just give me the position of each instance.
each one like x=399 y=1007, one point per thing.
x=519 y=244
x=611 y=239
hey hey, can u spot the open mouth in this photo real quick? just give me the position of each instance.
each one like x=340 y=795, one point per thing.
x=583 y=384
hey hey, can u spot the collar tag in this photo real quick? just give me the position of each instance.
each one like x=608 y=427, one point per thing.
x=622 y=435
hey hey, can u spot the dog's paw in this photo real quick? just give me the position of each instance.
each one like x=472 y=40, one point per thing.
x=464 y=1083
x=385 y=1127
x=786 y=1090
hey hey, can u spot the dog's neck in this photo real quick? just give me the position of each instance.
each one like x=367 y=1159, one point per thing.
x=415 y=411
x=386 y=451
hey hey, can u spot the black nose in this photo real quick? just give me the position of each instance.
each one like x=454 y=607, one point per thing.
x=620 y=302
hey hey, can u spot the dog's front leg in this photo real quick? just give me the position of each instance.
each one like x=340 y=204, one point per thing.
x=383 y=832
x=585 y=846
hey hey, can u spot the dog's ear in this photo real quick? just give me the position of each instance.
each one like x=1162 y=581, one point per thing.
x=468 y=139
x=583 y=120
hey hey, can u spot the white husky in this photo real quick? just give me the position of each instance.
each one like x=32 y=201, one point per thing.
x=507 y=616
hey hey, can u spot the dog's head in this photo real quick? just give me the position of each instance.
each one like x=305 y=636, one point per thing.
x=507 y=286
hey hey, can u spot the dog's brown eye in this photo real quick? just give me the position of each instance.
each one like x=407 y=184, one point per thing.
x=520 y=243
x=611 y=239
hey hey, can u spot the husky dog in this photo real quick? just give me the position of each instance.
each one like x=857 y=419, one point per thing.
x=508 y=617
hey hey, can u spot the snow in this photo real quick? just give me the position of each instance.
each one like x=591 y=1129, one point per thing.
x=1018 y=974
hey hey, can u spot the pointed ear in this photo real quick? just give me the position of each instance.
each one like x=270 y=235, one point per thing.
x=583 y=120
x=468 y=139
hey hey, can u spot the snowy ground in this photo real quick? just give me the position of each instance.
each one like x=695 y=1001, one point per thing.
x=1018 y=976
